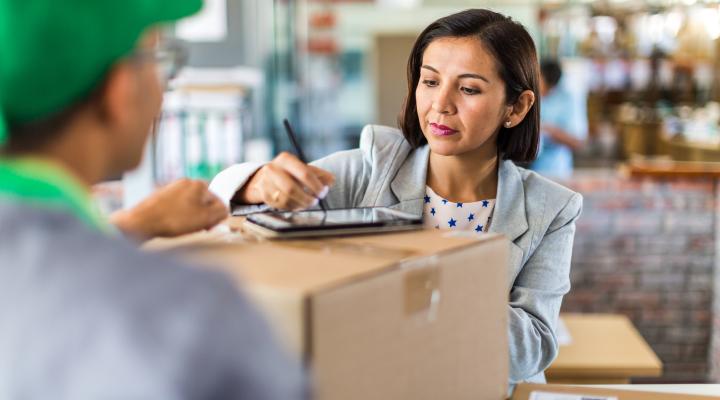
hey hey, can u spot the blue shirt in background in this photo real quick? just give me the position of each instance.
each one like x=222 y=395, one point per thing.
x=561 y=109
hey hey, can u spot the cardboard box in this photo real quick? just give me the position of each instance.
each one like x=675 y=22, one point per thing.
x=417 y=315
x=526 y=391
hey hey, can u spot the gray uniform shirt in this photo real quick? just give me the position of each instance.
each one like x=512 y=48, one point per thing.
x=86 y=316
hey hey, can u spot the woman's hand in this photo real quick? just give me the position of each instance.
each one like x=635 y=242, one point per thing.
x=182 y=207
x=287 y=183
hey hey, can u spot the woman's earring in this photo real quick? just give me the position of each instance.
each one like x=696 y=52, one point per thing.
x=507 y=124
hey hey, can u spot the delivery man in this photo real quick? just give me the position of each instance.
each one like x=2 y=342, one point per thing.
x=83 y=314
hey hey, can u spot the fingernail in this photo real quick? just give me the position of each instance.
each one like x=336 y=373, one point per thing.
x=323 y=192
x=315 y=202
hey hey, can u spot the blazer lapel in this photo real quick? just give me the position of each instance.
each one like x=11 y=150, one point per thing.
x=408 y=185
x=509 y=217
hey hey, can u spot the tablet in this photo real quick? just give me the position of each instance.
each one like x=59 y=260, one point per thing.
x=346 y=221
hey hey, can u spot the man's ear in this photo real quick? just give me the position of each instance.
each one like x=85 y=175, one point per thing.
x=522 y=106
x=118 y=95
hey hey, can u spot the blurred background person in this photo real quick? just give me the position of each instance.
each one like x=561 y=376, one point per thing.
x=563 y=124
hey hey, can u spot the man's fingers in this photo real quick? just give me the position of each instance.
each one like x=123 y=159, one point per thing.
x=209 y=199
x=216 y=213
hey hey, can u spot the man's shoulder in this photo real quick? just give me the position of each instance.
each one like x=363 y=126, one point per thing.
x=79 y=265
x=143 y=321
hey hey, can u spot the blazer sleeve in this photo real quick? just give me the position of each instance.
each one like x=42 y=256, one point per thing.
x=348 y=168
x=536 y=296
x=352 y=170
x=352 y=174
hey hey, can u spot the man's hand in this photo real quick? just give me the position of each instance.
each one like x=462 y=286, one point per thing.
x=184 y=206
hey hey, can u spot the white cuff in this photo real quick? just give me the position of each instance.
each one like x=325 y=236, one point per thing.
x=230 y=180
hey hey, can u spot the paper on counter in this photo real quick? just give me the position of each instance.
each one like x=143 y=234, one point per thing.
x=538 y=395
x=563 y=334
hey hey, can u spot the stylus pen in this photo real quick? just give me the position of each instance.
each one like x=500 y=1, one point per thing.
x=298 y=150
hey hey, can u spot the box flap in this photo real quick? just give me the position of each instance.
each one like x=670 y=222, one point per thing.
x=306 y=266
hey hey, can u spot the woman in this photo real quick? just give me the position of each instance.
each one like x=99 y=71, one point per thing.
x=471 y=111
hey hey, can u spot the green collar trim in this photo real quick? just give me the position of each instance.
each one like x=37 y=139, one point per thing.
x=46 y=184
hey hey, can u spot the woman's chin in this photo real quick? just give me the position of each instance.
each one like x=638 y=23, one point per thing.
x=445 y=149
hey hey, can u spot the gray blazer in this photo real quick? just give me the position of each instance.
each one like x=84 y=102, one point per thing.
x=535 y=214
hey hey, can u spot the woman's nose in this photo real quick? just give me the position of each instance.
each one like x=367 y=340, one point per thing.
x=442 y=103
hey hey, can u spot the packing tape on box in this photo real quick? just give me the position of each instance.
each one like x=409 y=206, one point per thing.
x=422 y=287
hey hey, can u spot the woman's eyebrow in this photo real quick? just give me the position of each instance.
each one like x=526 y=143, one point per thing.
x=474 y=76
x=462 y=76
x=431 y=69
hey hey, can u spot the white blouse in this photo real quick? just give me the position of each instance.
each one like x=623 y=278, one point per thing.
x=441 y=213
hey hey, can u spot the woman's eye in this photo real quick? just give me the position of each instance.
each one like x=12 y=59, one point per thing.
x=468 y=90
x=429 y=82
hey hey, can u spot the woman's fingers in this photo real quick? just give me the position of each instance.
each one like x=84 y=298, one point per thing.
x=325 y=177
x=283 y=191
x=288 y=183
x=281 y=200
x=303 y=173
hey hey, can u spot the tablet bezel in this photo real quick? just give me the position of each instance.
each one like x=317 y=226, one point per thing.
x=406 y=222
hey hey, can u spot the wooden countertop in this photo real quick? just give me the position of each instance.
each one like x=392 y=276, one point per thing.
x=524 y=391
x=661 y=168
x=605 y=348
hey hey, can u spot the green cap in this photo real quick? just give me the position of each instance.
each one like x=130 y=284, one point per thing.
x=3 y=34
x=54 y=52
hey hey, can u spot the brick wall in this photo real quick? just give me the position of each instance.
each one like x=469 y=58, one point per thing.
x=646 y=248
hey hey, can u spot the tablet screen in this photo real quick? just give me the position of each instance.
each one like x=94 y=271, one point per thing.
x=344 y=216
x=377 y=216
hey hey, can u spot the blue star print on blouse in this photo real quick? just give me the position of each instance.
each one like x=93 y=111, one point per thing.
x=441 y=213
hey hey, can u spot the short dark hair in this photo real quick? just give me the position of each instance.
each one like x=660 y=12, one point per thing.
x=516 y=58
x=29 y=136
x=551 y=72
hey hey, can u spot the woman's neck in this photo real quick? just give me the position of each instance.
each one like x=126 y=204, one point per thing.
x=466 y=177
